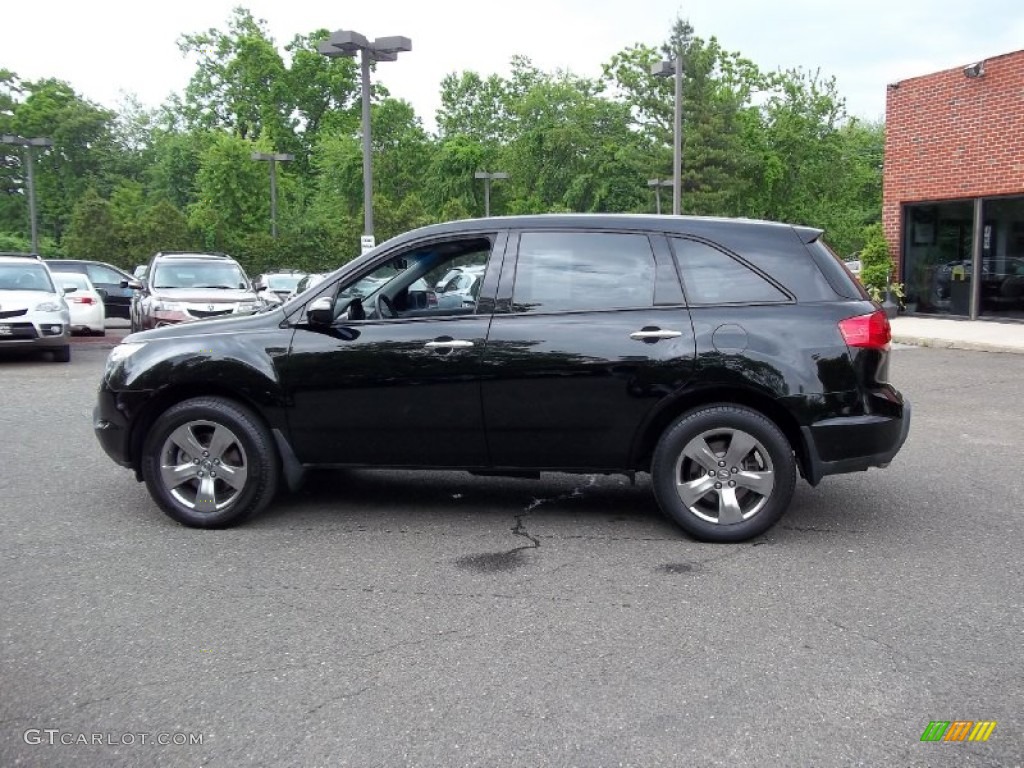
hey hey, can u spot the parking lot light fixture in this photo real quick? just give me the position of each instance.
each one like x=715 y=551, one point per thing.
x=345 y=42
x=30 y=145
x=488 y=178
x=658 y=184
x=273 y=158
x=675 y=69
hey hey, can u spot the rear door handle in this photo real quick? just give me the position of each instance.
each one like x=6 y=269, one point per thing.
x=654 y=334
x=449 y=344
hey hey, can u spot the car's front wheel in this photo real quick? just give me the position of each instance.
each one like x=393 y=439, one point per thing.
x=724 y=473
x=210 y=462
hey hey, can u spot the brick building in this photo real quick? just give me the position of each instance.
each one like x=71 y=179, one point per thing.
x=954 y=187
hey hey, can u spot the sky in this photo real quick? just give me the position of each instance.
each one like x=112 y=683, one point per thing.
x=108 y=48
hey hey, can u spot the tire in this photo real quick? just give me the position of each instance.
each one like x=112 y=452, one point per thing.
x=62 y=354
x=759 y=479
x=98 y=332
x=132 y=328
x=237 y=446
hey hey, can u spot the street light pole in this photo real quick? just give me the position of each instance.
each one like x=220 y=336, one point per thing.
x=348 y=43
x=658 y=184
x=273 y=158
x=30 y=177
x=488 y=178
x=675 y=69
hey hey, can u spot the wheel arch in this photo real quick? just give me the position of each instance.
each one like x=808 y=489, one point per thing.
x=647 y=437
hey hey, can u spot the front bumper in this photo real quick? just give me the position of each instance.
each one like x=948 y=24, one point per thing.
x=853 y=443
x=111 y=427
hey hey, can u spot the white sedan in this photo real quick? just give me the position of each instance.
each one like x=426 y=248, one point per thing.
x=88 y=314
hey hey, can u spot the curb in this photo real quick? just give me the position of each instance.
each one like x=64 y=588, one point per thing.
x=973 y=346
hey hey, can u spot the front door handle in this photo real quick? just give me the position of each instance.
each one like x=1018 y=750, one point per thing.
x=653 y=334
x=449 y=344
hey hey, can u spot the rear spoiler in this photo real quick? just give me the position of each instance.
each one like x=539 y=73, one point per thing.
x=808 y=235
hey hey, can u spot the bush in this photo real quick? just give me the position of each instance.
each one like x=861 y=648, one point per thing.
x=876 y=264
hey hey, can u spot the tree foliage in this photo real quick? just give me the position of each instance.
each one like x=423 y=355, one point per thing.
x=120 y=184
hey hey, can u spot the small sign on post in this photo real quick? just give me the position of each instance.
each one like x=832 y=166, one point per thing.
x=367 y=243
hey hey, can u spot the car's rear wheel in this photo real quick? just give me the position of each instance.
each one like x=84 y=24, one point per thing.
x=724 y=473
x=210 y=462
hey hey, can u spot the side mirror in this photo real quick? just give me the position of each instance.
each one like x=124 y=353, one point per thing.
x=135 y=285
x=321 y=311
x=259 y=286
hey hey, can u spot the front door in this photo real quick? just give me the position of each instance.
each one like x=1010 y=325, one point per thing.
x=395 y=379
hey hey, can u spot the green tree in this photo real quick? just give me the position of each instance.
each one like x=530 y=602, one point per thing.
x=90 y=234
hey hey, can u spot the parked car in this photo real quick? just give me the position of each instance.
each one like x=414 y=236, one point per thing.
x=85 y=303
x=109 y=280
x=181 y=287
x=721 y=356
x=306 y=282
x=277 y=287
x=460 y=286
x=33 y=313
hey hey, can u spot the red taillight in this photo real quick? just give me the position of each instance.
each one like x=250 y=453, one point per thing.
x=867 y=331
x=82 y=300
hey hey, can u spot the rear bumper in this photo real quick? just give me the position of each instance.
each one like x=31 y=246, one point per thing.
x=853 y=443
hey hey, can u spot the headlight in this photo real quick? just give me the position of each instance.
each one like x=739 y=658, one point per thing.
x=123 y=351
x=49 y=306
x=166 y=306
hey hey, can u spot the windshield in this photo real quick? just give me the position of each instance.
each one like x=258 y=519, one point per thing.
x=199 y=274
x=25 y=277
x=283 y=282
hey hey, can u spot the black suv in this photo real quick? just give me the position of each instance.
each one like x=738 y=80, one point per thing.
x=111 y=282
x=721 y=356
x=179 y=287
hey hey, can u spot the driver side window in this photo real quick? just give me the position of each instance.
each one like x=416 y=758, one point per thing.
x=425 y=281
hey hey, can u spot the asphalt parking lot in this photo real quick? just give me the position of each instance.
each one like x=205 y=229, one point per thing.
x=403 y=619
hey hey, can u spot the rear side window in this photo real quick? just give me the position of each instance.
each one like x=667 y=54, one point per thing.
x=563 y=271
x=837 y=274
x=711 y=276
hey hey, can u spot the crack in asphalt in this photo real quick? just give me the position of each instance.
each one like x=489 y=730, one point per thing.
x=519 y=529
x=336 y=699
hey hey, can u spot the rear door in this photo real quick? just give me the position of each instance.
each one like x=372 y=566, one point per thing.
x=590 y=332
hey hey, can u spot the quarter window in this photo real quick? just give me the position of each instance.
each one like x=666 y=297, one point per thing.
x=711 y=276
x=561 y=271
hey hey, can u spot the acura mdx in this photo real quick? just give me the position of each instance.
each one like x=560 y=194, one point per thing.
x=721 y=356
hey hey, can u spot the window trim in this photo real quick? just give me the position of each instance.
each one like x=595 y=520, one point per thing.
x=673 y=237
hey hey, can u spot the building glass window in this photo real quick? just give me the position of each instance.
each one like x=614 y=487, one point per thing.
x=938 y=263
x=1002 y=258
x=937 y=241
